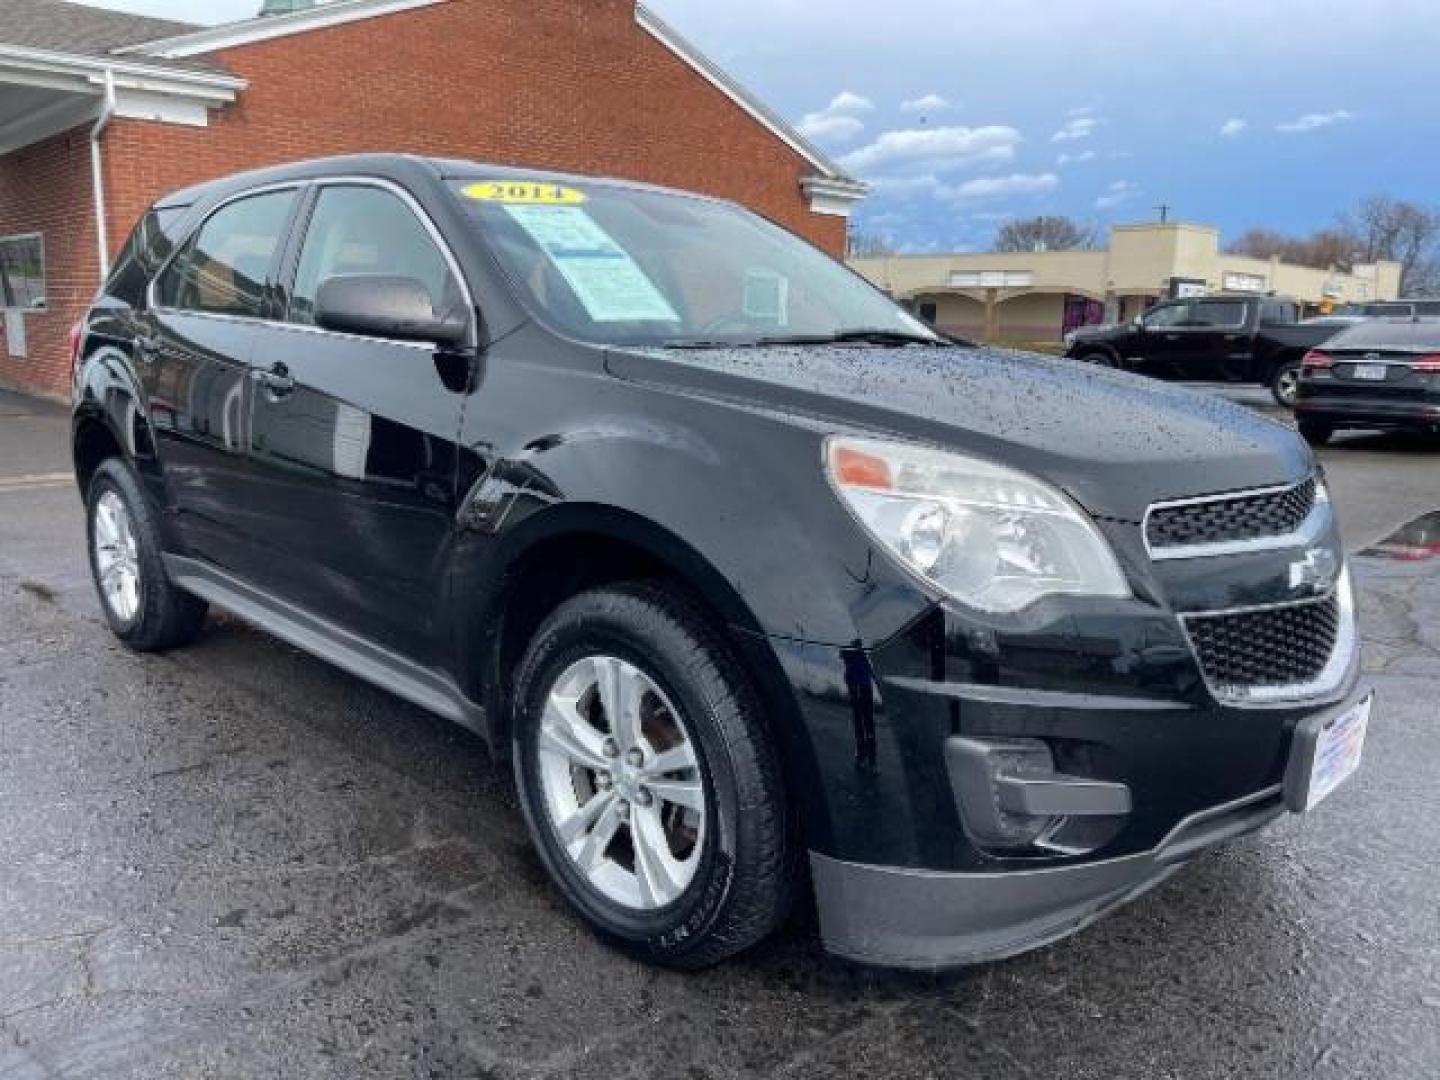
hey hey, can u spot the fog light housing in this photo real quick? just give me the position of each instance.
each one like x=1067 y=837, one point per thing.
x=1012 y=798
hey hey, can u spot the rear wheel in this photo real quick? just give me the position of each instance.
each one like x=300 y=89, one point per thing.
x=1285 y=383
x=649 y=784
x=142 y=606
x=1315 y=434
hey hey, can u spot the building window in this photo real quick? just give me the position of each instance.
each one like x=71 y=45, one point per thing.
x=22 y=272
x=991 y=279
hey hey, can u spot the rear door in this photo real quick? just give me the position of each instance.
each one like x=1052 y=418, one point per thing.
x=352 y=439
x=192 y=356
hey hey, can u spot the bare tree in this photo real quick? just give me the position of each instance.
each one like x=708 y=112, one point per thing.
x=865 y=245
x=1324 y=250
x=1379 y=228
x=1386 y=228
x=1260 y=244
x=1045 y=233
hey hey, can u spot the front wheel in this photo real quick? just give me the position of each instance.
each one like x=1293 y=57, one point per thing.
x=1285 y=383
x=650 y=786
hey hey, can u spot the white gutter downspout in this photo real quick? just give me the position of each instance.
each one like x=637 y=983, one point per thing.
x=97 y=178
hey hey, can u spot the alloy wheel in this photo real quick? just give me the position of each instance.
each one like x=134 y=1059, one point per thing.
x=117 y=557
x=622 y=783
x=1287 y=386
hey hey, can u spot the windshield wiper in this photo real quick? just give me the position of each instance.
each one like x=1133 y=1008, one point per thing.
x=866 y=335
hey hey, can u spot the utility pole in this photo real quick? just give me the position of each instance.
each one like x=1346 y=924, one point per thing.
x=1164 y=212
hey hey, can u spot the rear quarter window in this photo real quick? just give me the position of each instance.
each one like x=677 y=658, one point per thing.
x=149 y=245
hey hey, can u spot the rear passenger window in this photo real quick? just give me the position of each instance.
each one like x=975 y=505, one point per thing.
x=225 y=268
x=367 y=230
x=1222 y=313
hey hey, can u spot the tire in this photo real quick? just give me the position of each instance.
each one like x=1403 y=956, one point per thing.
x=1315 y=434
x=123 y=535
x=734 y=883
x=1098 y=357
x=1285 y=384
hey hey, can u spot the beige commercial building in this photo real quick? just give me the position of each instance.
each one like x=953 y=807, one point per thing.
x=1037 y=296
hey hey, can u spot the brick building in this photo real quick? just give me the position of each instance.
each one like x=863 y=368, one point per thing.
x=101 y=112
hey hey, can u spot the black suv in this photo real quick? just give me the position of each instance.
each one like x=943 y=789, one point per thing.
x=1256 y=339
x=742 y=566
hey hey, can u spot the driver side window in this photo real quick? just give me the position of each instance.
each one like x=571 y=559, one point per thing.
x=357 y=229
x=1168 y=315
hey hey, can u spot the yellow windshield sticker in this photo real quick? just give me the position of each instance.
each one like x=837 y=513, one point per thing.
x=524 y=193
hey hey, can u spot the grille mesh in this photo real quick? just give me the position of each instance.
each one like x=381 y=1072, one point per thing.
x=1287 y=646
x=1245 y=517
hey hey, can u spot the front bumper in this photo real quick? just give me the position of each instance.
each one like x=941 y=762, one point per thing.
x=931 y=920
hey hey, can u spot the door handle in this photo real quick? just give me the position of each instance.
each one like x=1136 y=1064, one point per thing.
x=278 y=381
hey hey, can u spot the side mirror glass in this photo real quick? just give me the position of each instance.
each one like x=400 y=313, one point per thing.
x=388 y=306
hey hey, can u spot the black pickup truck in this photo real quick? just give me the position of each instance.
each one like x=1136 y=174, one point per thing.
x=1255 y=339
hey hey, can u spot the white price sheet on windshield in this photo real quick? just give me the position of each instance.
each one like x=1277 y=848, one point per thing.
x=606 y=280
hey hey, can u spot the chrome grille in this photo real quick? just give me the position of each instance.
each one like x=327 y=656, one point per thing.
x=1269 y=647
x=1230 y=519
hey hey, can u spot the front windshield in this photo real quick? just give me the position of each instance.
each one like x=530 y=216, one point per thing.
x=622 y=266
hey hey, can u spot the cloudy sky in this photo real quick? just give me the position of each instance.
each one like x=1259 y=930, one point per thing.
x=961 y=114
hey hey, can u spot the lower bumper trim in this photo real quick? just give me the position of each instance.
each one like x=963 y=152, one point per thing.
x=930 y=920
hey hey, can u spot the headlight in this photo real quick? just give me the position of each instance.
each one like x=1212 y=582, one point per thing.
x=991 y=537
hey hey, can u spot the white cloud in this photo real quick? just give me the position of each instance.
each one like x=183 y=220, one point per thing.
x=982 y=187
x=1115 y=194
x=989 y=187
x=1075 y=159
x=836 y=122
x=822 y=126
x=927 y=104
x=846 y=101
x=1076 y=128
x=1234 y=126
x=1315 y=121
x=937 y=148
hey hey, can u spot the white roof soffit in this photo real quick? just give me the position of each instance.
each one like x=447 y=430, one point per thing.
x=231 y=35
x=712 y=73
x=74 y=71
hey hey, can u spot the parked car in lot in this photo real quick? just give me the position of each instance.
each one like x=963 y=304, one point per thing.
x=736 y=562
x=1392 y=309
x=1209 y=339
x=1382 y=374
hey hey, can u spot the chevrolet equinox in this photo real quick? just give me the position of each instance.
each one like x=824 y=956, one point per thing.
x=766 y=590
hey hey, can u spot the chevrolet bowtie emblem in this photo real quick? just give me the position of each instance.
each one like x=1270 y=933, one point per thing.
x=1316 y=572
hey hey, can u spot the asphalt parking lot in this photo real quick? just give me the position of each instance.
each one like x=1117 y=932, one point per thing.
x=235 y=861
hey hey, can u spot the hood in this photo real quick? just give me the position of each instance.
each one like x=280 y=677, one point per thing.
x=1114 y=442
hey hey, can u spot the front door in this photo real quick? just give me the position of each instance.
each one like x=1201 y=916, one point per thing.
x=353 y=439
x=1161 y=344
x=193 y=361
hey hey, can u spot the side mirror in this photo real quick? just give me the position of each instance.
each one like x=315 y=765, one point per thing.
x=386 y=305
x=1138 y=322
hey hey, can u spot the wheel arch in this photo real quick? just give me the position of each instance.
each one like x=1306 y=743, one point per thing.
x=575 y=547
x=1082 y=351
